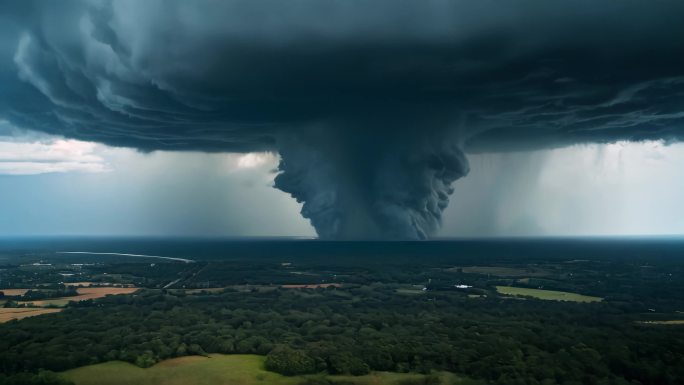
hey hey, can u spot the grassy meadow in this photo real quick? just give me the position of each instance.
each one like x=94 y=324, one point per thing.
x=665 y=322
x=84 y=293
x=551 y=295
x=410 y=291
x=13 y=292
x=8 y=314
x=218 y=369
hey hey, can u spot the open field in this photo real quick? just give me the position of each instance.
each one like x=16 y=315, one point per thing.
x=303 y=273
x=98 y=284
x=216 y=369
x=8 y=314
x=410 y=291
x=84 y=293
x=206 y=290
x=13 y=292
x=312 y=286
x=84 y=284
x=547 y=294
x=502 y=271
x=98 y=292
x=664 y=322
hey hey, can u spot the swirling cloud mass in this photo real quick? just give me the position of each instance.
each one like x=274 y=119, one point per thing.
x=372 y=105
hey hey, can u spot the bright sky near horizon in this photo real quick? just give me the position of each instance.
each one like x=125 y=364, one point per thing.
x=559 y=115
x=50 y=185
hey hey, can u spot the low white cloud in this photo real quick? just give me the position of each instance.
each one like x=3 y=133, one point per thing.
x=25 y=152
x=256 y=159
x=49 y=156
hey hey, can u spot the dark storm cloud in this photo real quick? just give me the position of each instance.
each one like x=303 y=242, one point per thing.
x=371 y=103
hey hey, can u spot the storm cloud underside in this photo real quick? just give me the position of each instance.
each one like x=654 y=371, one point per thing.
x=372 y=105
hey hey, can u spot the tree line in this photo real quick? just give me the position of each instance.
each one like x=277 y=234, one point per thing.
x=353 y=331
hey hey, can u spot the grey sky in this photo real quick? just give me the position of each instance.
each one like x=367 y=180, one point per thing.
x=617 y=189
x=150 y=194
x=374 y=107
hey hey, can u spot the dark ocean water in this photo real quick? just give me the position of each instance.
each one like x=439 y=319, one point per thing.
x=528 y=249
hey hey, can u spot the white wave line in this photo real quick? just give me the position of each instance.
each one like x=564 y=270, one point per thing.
x=126 y=255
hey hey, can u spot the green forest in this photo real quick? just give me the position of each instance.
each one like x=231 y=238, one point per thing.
x=496 y=320
x=354 y=331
